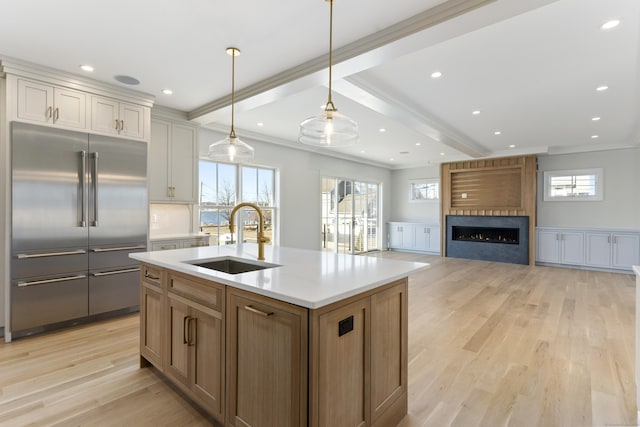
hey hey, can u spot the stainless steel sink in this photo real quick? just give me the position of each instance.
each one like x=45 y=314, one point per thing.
x=231 y=265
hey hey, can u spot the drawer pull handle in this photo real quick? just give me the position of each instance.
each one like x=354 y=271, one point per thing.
x=44 y=282
x=48 y=254
x=109 y=273
x=121 y=248
x=151 y=276
x=256 y=311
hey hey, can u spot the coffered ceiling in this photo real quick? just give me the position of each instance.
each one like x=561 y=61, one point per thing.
x=529 y=67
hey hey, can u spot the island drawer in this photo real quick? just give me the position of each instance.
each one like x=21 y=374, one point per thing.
x=151 y=274
x=205 y=292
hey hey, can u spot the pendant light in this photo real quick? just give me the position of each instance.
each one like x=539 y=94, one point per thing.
x=231 y=149
x=330 y=128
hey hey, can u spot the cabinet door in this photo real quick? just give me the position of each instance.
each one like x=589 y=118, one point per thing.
x=104 y=115
x=70 y=108
x=598 y=249
x=35 y=101
x=389 y=344
x=208 y=359
x=626 y=250
x=131 y=118
x=159 y=161
x=434 y=239
x=177 y=363
x=151 y=330
x=422 y=237
x=548 y=245
x=395 y=235
x=572 y=247
x=183 y=163
x=343 y=364
x=266 y=362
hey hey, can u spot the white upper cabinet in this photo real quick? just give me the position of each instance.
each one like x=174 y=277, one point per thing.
x=43 y=103
x=172 y=161
x=117 y=118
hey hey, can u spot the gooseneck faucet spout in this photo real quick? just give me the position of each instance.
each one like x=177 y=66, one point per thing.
x=261 y=237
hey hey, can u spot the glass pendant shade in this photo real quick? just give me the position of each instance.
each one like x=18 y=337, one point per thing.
x=231 y=149
x=329 y=129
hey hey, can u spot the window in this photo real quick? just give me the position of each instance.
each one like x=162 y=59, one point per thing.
x=573 y=185
x=421 y=190
x=222 y=186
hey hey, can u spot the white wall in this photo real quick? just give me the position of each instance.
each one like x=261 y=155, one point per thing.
x=401 y=208
x=300 y=174
x=620 y=208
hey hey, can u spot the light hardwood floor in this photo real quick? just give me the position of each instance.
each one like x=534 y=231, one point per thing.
x=490 y=344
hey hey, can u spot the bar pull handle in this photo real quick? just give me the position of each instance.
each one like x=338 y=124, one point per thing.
x=117 y=124
x=57 y=115
x=615 y=240
x=83 y=185
x=48 y=254
x=193 y=332
x=185 y=331
x=121 y=125
x=608 y=239
x=94 y=182
x=120 y=248
x=151 y=276
x=49 y=112
x=44 y=282
x=109 y=273
x=256 y=311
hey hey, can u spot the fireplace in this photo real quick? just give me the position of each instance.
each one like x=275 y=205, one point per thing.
x=488 y=238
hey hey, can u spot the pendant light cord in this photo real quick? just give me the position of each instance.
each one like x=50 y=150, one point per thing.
x=330 y=106
x=232 y=135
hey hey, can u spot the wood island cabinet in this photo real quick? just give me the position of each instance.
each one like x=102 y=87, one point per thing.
x=251 y=360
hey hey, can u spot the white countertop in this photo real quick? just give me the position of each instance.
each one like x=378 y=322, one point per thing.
x=307 y=278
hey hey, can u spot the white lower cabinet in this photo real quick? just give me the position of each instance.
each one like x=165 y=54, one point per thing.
x=414 y=237
x=613 y=250
x=589 y=248
x=562 y=247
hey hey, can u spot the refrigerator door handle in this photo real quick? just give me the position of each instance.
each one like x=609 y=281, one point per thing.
x=121 y=248
x=44 y=282
x=46 y=254
x=94 y=182
x=109 y=273
x=83 y=186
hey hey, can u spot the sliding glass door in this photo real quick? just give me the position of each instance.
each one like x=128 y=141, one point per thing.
x=350 y=215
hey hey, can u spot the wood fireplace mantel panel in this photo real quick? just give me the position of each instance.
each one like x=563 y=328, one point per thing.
x=490 y=187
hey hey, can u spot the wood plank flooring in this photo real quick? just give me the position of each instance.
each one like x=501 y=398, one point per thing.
x=490 y=344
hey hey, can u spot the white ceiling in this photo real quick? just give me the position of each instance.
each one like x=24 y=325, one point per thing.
x=530 y=66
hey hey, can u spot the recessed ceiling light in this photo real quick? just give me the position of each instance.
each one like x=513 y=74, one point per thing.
x=418 y=144
x=436 y=75
x=392 y=159
x=476 y=112
x=497 y=132
x=382 y=130
x=323 y=106
x=610 y=24
x=442 y=154
x=362 y=151
x=602 y=88
x=87 y=68
x=594 y=136
x=260 y=124
x=167 y=91
x=512 y=146
x=595 y=119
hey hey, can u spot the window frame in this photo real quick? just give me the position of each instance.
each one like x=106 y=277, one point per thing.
x=599 y=185
x=425 y=181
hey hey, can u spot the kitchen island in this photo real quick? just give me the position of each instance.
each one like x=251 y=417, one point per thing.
x=315 y=338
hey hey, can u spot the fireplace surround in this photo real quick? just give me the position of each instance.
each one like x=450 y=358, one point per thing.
x=488 y=238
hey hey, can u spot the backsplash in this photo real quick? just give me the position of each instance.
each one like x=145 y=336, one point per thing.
x=169 y=219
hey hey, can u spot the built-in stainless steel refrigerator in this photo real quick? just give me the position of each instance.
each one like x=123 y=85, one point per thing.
x=79 y=207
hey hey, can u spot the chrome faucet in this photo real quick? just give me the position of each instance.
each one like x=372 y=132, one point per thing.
x=261 y=237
